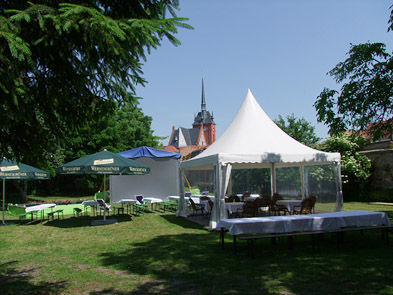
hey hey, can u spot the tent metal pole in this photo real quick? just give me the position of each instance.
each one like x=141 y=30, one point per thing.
x=302 y=177
x=273 y=180
x=104 y=184
x=215 y=215
x=181 y=208
x=339 y=198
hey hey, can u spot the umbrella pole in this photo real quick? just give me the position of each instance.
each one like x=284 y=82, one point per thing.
x=104 y=194
x=3 y=200
x=104 y=185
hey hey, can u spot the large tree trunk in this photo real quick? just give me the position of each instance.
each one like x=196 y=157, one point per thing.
x=21 y=186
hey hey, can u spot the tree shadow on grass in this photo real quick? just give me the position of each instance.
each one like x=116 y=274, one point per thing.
x=194 y=263
x=19 y=280
x=184 y=222
x=83 y=221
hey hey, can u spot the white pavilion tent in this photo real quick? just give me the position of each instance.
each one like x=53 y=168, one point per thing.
x=253 y=140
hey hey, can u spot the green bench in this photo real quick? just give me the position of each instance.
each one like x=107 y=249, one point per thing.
x=118 y=209
x=168 y=205
x=78 y=211
x=19 y=211
x=52 y=214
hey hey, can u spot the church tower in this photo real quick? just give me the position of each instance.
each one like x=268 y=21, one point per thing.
x=188 y=141
x=205 y=122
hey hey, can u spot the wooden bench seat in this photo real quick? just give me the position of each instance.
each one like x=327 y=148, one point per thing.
x=77 y=211
x=52 y=214
x=252 y=238
x=118 y=209
x=340 y=232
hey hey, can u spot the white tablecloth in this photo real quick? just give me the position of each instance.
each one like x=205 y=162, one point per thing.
x=205 y=204
x=39 y=207
x=173 y=198
x=90 y=203
x=289 y=204
x=152 y=200
x=307 y=222
x=251 y=197
x=232 y=207
x=195 y=198
x=127 y=201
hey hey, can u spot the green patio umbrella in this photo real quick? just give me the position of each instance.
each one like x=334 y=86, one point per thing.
x=104 y=162
x=15 y=170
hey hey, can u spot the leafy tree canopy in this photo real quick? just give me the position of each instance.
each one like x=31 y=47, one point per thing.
x=366 y=95
x=299 y=129
x=127 y=128
x=63 y=65
x=355 y=167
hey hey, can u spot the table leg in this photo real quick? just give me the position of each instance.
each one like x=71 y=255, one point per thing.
x=234 y=245
x=222 y=233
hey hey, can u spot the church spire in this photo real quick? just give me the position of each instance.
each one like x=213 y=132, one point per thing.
x=203 y=105
x=203 y=116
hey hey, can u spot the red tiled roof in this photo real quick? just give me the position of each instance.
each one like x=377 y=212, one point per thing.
x=171 y=148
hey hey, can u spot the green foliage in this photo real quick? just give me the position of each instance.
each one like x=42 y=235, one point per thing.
x=385 y=195
x=257 y=181
x=299 y=129
x=289 y=181
x=355 y=167
x=64 y=65
x=125 y=129
x=366 y=92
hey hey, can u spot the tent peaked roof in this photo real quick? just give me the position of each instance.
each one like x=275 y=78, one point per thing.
x=252 y=137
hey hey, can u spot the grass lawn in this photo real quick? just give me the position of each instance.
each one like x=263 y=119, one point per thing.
x=159 y=253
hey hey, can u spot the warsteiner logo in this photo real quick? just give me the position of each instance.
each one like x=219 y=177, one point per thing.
x=39 y=174
x=13 y=174
x=138 y=170
x=105 y=169
x=71 y=169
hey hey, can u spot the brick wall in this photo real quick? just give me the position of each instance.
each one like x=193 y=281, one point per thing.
x=382 y=157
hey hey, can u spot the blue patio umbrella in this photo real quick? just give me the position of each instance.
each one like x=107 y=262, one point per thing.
x=15 y=170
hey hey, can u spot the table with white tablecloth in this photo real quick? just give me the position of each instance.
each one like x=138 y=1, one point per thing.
x=289 y=204
x=173 y=198
x=91 y=203
x=152 y=201
x=41 y=208
x=128 y=203
x=251 y=197
x=177 y=199
x=205 y=204
x=233 y=207
x=306 y=222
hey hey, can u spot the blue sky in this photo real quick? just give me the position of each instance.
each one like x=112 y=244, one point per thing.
x=281 y=50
